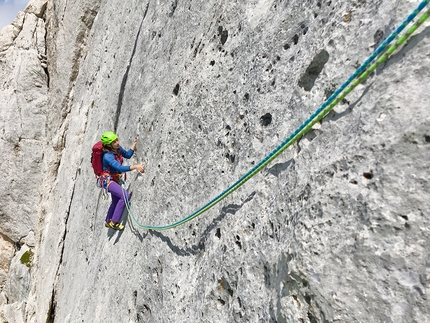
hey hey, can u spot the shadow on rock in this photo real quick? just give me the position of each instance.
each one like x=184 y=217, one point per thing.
x=278 y=168
x=200 y=246
x=412 y=43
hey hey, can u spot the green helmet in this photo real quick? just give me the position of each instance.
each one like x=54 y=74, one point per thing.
x=108 y=137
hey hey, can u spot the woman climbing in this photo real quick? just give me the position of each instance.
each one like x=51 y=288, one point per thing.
x=113 y=155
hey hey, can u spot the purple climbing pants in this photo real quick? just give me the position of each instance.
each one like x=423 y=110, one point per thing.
x=118 y=203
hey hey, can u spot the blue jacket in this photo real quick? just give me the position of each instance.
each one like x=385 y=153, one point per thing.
x=112 y=165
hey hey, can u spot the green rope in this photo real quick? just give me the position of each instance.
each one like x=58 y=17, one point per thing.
x=358 y=77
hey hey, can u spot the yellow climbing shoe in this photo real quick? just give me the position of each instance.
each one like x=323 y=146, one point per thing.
x=113 y=225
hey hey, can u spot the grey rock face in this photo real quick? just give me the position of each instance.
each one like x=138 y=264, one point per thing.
x=23 y=104
x=334 y=230
x=23 y=98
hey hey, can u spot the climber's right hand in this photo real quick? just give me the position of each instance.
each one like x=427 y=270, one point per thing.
x=138 y=167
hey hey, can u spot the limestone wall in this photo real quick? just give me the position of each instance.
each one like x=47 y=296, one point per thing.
x=334 y=230
x=24 y=106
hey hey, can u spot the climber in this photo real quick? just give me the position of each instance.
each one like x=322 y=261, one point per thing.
x=112 y=176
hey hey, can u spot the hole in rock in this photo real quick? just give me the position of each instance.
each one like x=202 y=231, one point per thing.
x=176 y=89
x=266 y=120
x=368 y=175
x=305 y=30
x=312 y=319
x=231 y=158
x=308 y=299
x=378 y=37
x=224 y=37
x=218 y=233
x=314 y=69
x=239 y=244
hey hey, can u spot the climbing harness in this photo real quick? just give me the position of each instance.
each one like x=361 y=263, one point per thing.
x=102 y=183
x=105 y=179
x=355 y=79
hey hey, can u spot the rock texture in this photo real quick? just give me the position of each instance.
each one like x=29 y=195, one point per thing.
x=24 y=105
x=335 y=230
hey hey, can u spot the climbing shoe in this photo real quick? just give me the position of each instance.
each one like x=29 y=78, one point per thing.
x=115 y=226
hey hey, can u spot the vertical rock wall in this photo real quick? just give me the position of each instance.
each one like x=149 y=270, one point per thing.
x=24 y=106
x=334 y=230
